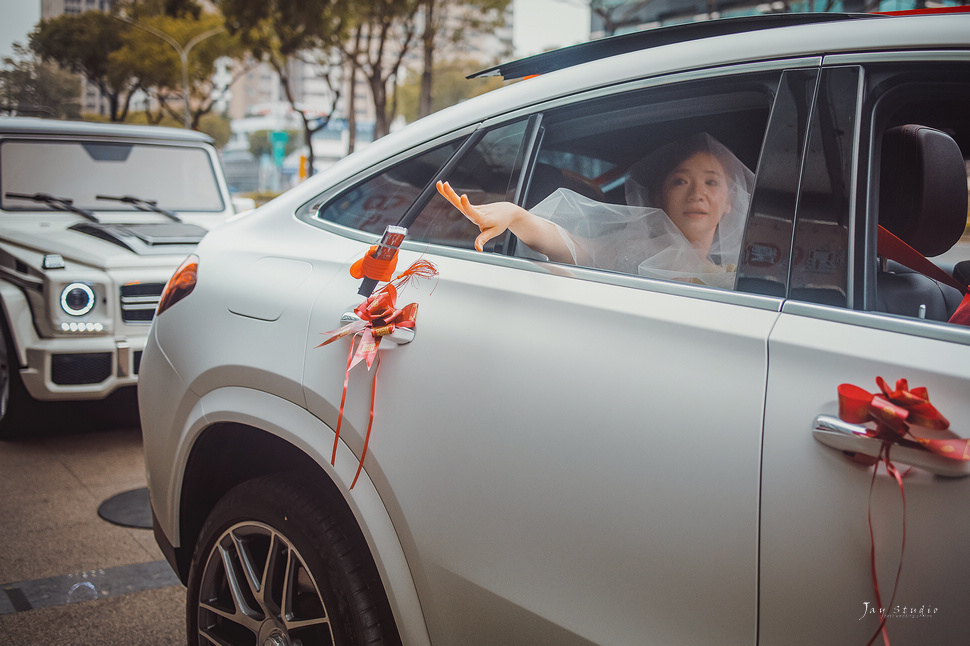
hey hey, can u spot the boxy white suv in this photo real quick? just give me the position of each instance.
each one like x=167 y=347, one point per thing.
x=576 y=452
x=93 y=220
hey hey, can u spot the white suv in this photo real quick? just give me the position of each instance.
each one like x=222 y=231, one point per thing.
x=573 y=452
x=93 y=220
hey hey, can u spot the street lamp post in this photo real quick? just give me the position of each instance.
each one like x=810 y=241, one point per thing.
x=183 y=52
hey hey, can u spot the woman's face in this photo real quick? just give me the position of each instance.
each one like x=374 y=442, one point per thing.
x=695 y=197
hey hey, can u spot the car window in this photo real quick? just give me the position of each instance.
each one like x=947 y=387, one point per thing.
x=602 y=151
x=487 y=172
x=178 y=178
x=820 y=251
x=918 y=194
x=384 y=198
x=766 y=252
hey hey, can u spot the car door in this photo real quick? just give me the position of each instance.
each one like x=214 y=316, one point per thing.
x=569 y=455
x=840 y=549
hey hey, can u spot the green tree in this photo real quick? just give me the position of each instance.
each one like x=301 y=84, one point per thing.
x=383 y=32
x=154 y=47
x=182 y=8
x=259 y=143
x=31 y=87
x=449 y=87
x=280 y=32
x=83 y=44
x=446 y=23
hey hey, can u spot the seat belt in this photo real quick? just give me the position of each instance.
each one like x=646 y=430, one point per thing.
x=891 y=246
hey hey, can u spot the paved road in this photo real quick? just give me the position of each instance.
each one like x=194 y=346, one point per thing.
x=67 y=576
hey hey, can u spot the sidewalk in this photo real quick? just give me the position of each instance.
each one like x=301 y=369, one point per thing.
x=66 y=575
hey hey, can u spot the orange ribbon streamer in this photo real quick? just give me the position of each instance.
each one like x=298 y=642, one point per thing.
x=378 y=316
x=895 y=412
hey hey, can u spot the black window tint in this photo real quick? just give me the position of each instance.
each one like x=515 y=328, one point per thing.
x=820 y=268
x=382 y=200
x=486 y=174
x=766 y=251
x=593 y=148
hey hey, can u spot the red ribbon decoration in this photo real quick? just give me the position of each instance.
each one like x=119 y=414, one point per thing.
x=379 y=316
x=371 y=267
x=894 y=412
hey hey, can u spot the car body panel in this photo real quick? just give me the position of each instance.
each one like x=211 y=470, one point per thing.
x=590 y=337
x=808 y=571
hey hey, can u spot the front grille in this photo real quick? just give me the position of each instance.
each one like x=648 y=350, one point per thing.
x=77 y=369
x=139 y=300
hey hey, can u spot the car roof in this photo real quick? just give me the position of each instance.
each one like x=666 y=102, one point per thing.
x=649 y=38
x=36 y=126
x=810 y=43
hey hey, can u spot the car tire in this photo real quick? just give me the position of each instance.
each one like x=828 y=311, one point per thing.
x=275 y=564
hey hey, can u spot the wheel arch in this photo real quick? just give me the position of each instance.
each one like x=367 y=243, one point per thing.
x=225 y=455
x=17 y=319
x=229 y=452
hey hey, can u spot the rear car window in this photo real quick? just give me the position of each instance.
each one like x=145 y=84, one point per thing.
x=384 y=198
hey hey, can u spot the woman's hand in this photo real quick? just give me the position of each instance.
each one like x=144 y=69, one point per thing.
x=492 y=219
x=495 y=219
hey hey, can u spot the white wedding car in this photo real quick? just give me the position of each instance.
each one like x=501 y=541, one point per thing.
x=572 y=455
x=94 y=218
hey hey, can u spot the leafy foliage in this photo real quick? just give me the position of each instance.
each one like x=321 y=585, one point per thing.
x=280 y=32
x=449 y=87
x=83 y=44
x=30 y=87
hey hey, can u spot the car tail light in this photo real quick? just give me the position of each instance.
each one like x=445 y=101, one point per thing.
x=180 y=284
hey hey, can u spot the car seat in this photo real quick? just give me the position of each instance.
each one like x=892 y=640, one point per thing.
x=923 y=201
x=547 y=178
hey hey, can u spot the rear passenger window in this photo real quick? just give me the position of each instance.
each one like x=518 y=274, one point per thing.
x=384 y=198
x=486 y=173
x=613 y=174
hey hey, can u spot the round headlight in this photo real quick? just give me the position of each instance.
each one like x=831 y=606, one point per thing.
x=77 y=299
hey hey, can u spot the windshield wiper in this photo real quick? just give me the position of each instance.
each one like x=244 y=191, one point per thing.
x=140 y=204
x=61 y=203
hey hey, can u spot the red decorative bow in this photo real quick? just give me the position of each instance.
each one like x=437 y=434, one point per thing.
x=895 y=413
x=378 y=316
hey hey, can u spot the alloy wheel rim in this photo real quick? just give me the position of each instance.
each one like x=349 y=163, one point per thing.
x=257 y=589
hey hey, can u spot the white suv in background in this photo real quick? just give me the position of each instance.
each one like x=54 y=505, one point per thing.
x=565 y=454
x=93 y=220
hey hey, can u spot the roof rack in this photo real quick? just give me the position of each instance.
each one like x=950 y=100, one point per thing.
x=614 y=45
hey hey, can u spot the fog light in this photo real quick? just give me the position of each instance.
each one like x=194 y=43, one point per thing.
x=77 y=299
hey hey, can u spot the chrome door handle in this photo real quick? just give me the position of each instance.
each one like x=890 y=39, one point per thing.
x=399 y=336
x=843 y=436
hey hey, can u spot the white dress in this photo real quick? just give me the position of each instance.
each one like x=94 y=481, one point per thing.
x=640 y=239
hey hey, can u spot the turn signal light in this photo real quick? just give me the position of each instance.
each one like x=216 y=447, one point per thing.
x=180 y=284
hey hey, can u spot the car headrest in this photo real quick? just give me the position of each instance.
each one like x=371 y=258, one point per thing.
x=923 y=188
